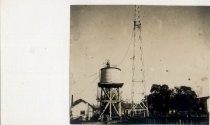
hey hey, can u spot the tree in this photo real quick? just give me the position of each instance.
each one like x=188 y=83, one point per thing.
x=159 y=99
x=184 y=98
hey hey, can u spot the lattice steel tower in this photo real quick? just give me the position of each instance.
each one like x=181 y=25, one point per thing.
x=138 y=69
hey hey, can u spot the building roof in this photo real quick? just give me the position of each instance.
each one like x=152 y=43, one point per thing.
x=79 y=101
x=203 y=98
x=129 y=106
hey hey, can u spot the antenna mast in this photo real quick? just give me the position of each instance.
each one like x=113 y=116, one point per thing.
x=138 y=71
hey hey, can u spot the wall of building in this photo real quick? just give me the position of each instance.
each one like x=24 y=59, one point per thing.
x=208 y=105
x=82 y=110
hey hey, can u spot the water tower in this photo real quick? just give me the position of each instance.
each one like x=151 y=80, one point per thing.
x=109 y=97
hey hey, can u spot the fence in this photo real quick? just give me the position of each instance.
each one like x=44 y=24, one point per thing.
x=167 y=120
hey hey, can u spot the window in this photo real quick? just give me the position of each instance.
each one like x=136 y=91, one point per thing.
x=82 y=112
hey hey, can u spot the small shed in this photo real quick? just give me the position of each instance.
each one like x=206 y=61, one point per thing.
x=203 y=104
x=81 y=110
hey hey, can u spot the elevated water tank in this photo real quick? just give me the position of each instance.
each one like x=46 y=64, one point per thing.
x=110 y=77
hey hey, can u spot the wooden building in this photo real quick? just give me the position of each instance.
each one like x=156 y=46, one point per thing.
x=81 y=110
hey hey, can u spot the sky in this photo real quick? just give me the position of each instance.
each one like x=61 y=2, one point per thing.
x=176 y=47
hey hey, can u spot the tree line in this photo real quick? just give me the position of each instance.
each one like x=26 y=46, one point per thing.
x=163 y=101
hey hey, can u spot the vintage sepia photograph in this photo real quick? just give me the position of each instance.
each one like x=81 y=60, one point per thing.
x=139 y=64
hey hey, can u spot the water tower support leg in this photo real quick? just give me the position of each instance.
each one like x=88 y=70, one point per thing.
x=104 y=109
